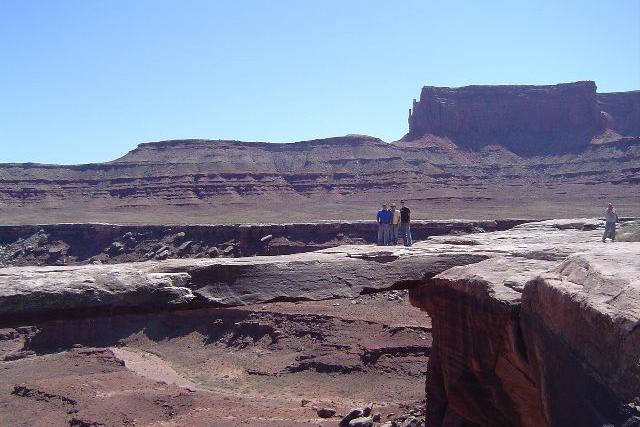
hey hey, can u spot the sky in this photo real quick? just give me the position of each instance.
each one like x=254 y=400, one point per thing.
x=86 y=80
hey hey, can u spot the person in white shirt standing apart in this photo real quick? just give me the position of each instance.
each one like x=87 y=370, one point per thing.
x=395 y=224
x=610 y=219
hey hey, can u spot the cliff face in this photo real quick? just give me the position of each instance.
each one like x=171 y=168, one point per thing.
x=544 y=334
x=524 y=119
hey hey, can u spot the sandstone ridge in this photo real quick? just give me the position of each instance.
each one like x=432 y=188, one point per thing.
x=76 y=244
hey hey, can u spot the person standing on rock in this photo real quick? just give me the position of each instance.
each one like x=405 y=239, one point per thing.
x=395 y=224
x=384 y=225
x=610 y=219
x=405 y=219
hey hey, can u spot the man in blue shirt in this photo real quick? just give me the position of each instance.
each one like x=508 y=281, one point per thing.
x=384 y=225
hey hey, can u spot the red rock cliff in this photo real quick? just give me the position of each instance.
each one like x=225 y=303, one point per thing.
x=545 y=334
x=524 y=119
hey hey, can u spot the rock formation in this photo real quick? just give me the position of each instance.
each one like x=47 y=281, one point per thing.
x=622 y=111
x=74 y=244
x=523 y=339
x=523 y=119
x=481 y=152
x=526 y=120
x=337 y=272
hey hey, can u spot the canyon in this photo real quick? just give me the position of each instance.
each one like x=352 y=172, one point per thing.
x=479 y=152
x=227 y=283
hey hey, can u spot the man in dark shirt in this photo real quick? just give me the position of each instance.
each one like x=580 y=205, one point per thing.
x=384 y=225
x=405 y=219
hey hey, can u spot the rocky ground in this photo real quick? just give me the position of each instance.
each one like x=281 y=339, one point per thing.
x=264 y=365
x=289 y=339
x=77 y=244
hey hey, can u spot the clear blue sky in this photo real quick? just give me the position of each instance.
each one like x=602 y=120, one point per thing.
x=87 y=80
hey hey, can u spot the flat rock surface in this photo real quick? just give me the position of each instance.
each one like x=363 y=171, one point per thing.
x=344 y=271
x=500 y=278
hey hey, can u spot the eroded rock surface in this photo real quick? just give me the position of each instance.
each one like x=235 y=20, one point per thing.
x=271 y=364
x=542 y=334
x=519 y=317
x=74 y=244
x=345 y=271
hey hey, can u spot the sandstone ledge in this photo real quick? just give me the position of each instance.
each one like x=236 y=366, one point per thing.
x=346 y=271
x=342 y=271
x=83 y=243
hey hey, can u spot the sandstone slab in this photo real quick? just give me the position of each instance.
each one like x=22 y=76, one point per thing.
x=334 y=273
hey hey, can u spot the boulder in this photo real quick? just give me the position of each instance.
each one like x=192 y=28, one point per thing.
x=184 y=247
x=350 y=416
x=366 y=411
x=326 y=412
x=361 y=422
x=213 y=252
x=410 y=422
x=178 y=237
x=115 y=248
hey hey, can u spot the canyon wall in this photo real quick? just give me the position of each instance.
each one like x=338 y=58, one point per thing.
x=339 y=179
x=532 y=326
x=536 y=337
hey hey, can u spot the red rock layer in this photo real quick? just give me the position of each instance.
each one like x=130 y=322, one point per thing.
x=225 y=181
